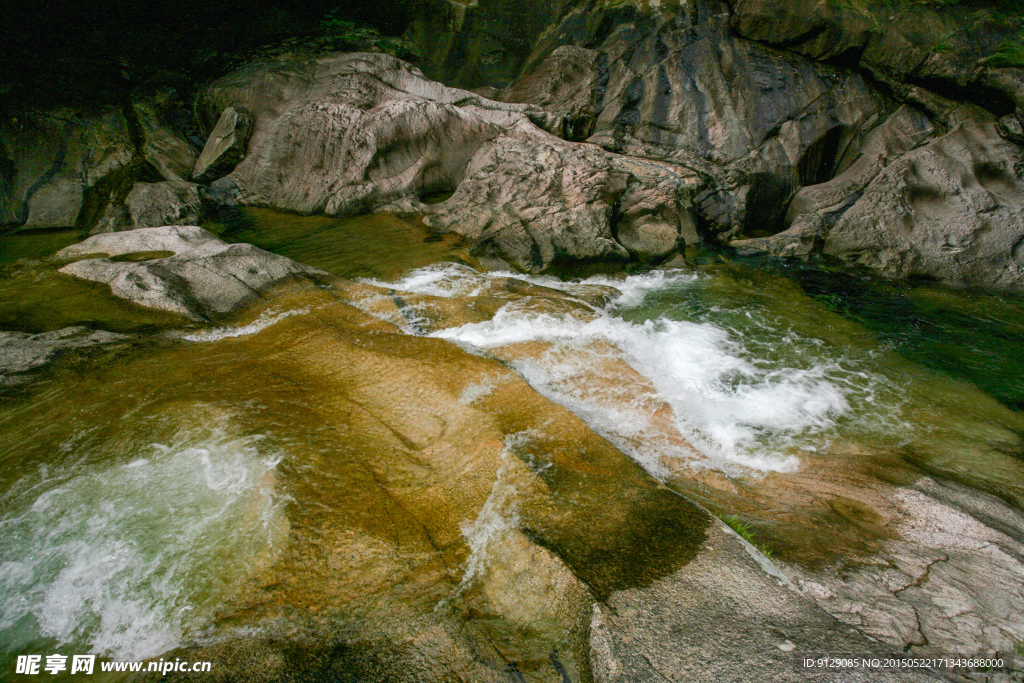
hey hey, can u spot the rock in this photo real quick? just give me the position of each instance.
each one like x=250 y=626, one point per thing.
x=922 y=591
x=150 y=205
x=536 y=202
x=447 y=520
x=60 y=165
x=184 y=270
x=1010 y=128
x=165 y=148
x=356 y=133
x=21 y=352
x=352 y=133
x=167 y=203
x=755 y=123
x=63 y=168
x=901 y=132
x=926 y=43
x=565 y=83
x=225 y=147
x=951 y=210
x=692 y=625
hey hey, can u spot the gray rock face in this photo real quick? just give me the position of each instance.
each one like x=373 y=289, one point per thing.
x=678 y=87
x=351 y=133
x=918 y=43
x=692 y=625
x=63 y=168
x=925 y=590
x=184 y=270
x=164 y=148
x=52 y=159
x=358 y=133
x=225 y=147
x=952 y=209
x=741 y=95
x=21 y=351
x=150 y=205
x=565 y=83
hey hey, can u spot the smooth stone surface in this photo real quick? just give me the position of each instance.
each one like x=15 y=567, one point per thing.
x=187 y=270
x=951 y=210
x=356 y=133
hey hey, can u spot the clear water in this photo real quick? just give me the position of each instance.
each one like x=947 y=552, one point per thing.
x=754 y=372
x=136 y=495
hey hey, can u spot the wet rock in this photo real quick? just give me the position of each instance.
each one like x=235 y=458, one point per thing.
x=950 y=210
x=184 y=270
x=692 y=625
x=225 y=147
x=21 y=351
x=447 y=520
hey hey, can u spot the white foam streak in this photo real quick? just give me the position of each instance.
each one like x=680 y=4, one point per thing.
x=739 y=405
x=265 y=320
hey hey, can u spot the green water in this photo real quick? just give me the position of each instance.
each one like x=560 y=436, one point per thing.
x=36 y=244
x=146 y=452
x=381 y=246
x=976 y=336
x=35 y=297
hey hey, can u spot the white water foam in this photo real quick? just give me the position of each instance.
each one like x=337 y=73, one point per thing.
x=747 y=396
x=498 y=517
x=265 y=320
x=125 y=561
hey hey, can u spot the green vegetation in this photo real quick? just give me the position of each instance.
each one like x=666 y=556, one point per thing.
x=350 y=36
x=1009 y=54
x=745 y=529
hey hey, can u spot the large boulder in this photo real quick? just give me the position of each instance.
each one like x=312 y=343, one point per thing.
x=150 y=205
x=59 y=162
x=951 y=210
x=62 y=168
x=365 y=132
x=184 y=270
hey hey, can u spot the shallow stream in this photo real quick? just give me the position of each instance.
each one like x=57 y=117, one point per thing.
x=139 y=487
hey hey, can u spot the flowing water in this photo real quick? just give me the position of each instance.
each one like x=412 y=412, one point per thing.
x=141 y=488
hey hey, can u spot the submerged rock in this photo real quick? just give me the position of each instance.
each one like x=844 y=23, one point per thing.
x=184 y=270
x=448 y=521
x=21 y=351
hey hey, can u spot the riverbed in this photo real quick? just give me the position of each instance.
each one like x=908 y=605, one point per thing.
x=143 y=488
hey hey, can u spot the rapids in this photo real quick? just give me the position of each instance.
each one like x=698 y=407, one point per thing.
x=141 y=489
